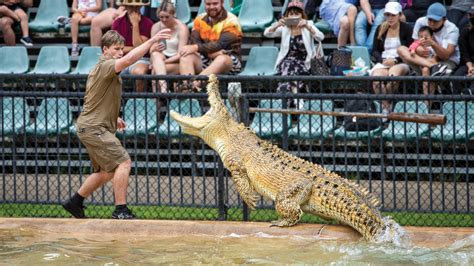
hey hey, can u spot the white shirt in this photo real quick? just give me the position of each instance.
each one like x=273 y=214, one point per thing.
x=449 y=34
x=87 y=4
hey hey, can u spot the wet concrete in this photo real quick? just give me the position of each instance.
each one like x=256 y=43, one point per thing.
x=432 y=237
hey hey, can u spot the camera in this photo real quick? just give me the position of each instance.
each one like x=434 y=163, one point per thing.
x=292 y=21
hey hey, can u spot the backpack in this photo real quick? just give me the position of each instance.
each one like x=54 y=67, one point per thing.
x=340 y=60
x=358 y=123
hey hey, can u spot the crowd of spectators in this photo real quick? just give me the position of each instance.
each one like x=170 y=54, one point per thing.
x=403 y=37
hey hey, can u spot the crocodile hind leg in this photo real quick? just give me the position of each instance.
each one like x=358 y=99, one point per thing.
x=288 y=202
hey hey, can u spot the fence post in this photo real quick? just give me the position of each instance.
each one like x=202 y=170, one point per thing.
x=221 y=192
x=244 y=117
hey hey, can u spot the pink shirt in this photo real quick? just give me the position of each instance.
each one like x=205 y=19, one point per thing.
x=124 y=27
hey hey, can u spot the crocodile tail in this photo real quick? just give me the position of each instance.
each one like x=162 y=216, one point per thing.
x=392 y=232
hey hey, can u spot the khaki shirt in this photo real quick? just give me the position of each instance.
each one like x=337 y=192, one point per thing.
x=103 y=97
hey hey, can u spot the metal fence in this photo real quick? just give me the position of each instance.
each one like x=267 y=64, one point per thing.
x=420 y=173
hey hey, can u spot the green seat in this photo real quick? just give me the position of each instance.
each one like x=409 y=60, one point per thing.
x=52 y=59
x=14 y=59
x=54 y=117
x=46 y=17
x=399 y=130
x=140 y=115
x=87 y=60
x=323 y=26
x=459 y=122
x=202 y=9
x=189 y=107
x=342 y=133
x=314 y=126
x=268 y=125
x=261 y=61
x=14 y=115
x=256 y=15
x=362 y=52
x=183 y=11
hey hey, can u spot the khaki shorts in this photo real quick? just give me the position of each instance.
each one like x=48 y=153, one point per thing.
x=105 y=150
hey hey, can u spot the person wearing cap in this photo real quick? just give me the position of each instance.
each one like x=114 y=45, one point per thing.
x=458 y=12
x=135 y=29
x=297 y=45
x=367 y=21
x=444 y=43
x=214 y=46
x=466 y=46
x=104 y=21
x=415 y=9
x=388 y=37
x=340 y=14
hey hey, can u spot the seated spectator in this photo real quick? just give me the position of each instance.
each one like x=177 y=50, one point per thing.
x=135 y=29
x=83 y=12
x=340 y=14
x=164 y=56
x=388 y=37
x=104 y=21
x=415 y=9
x=368 y=19
x=425 y=33
x=444 y=44
x=297 y=45
x=11 y=13
x=215 y=43
x=466 y=46
x=458 y=12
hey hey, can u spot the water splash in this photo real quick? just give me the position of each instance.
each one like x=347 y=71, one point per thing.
x=393 y=233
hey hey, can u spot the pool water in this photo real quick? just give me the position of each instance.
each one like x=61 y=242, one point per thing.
x=28 y=247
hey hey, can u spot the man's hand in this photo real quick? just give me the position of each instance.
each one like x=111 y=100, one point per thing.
x=188 y=49
x=121 y=124
x=370 y=18
x=421 y=51
x=163 y=34
x=135 y=18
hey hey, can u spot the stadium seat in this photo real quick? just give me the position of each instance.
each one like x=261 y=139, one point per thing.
x=362 y=52
x=459 y=122
x=314 y=126
x=342 y=133
x=87 y=60
x=323 y=26
x=399 y=131
x=140 y=115
x=189 y=107
x=52 y=59
x=261 y=61
x=268 y=125
x=14 y=115
x=48 y=12
x=183 y=11
x=14 y=59
x=202 y=9
x=256 y=15
x=54 y=117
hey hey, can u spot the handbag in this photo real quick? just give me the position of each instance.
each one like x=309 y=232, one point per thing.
x=340 y=60
x=318 y=64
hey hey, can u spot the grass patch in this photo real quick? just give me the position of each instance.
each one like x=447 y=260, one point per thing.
x=233 y=214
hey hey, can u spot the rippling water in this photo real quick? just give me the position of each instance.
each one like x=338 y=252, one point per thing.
x=20 y=247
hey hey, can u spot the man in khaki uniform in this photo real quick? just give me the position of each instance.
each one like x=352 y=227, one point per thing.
x=100 y=119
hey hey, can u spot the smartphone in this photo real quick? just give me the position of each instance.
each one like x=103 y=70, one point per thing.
x=163 y=42
x=292 y=21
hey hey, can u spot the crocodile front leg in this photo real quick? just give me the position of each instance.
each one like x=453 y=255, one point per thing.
x=289 y=200
x=245 y=189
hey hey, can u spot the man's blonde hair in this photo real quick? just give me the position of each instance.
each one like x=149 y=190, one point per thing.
x=112 y=37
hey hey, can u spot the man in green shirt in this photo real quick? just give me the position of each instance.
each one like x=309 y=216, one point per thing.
x=100 y=119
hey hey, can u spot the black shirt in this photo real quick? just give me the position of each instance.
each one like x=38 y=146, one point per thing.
x=466 y=45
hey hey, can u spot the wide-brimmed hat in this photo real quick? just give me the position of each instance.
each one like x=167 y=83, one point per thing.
x=296 y=4
x=133 y=2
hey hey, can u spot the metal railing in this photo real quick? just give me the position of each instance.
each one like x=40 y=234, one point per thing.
x=414 y=169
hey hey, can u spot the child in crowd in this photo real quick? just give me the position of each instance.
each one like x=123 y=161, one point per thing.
x=425 y=33
x=12 y=8
x=84 y=11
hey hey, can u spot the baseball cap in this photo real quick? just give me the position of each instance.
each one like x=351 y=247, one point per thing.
x=471 y=10
x=296 y=4
x=393 y=8
x=436 y=12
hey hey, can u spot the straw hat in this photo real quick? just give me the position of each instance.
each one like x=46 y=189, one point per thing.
x=133 y=2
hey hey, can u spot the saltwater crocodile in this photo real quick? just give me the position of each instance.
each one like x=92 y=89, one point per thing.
x=296 y=186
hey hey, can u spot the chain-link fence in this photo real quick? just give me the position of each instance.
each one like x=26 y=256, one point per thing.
x=421 y=173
